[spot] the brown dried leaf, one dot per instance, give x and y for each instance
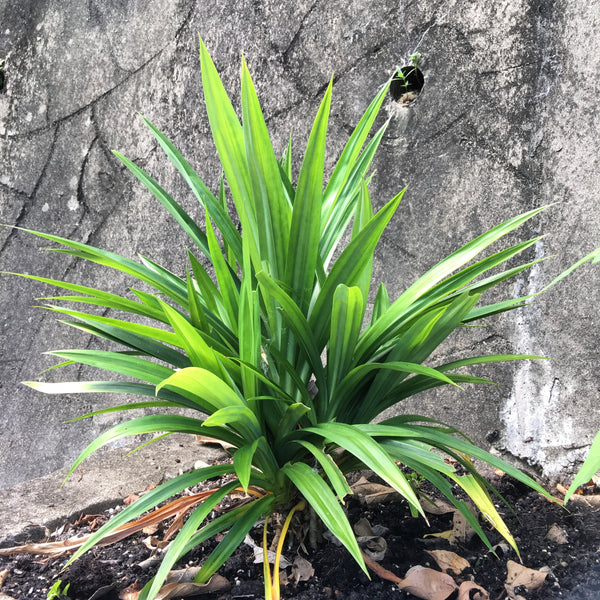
(434, 506)
(3, 576)
(373, 545)
(420, 582)
(208, 441)
(302, 570)
(130, 499)
(519, 575)
(151, 529)
(217, 583)
(462, 532)
(428, 584)
(591, 501)
(259, 555)
(446, 535)
(362, 527)
(160, 514)
(153, 543)
(131, 592)
(469, 590)
(371, 492)
(449, 561)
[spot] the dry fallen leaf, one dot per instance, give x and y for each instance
(302, 570)
(120, 533)
(557, 534)
(372, 544)
(435, 506)
(3, 576)
(208, 441)
(371, 492)
(153, 543)
(469, 590)
(462, 532)
(519, 575)
(428, 584)
(151, 529)
(449, 561)
(258, 554)
(217, 583)
(130, 499)
(446, 535)
(131, 592)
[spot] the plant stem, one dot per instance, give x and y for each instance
(276, 590)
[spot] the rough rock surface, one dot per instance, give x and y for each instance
(507, 121)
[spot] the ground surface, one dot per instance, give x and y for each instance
(574, 564)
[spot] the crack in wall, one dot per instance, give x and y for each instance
(94, 101)
(286, 53)
(30, 198)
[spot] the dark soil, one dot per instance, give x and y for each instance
(575, 565)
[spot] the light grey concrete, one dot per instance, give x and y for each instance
(34, 508)
(507, 121)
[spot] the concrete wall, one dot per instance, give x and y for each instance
(507, 121)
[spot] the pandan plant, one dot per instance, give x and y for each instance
(272, 345)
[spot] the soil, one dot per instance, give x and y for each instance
(574, 564)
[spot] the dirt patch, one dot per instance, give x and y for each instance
(571, 555)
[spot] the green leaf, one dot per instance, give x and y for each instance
(242, 416)
(197, 316)
(356, 378)
(227, 285)
(242, 462)
(363, 213)
(96, 297)
(325, 504)
(212, 391)
(381, 304)
(349, 267)
(270, 202)
(352, 192)
(165, 282)
(249, 329)
(117, 363)
(589, 468)
(300, 327)
(139, 426)
(242, 525)
(360, 444)
(445, 441)
(216, 210)
(113, 387)
(146, 339)
(228, 136)
(482, 500)
(331, 470)
(184, 220)
(351, 151)
(346, 321)
(188, 338)
(306, 217)
(187, 531)
(385, 327)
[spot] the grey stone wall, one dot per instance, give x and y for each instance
(507, 121)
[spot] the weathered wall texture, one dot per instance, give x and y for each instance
(508, 120)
